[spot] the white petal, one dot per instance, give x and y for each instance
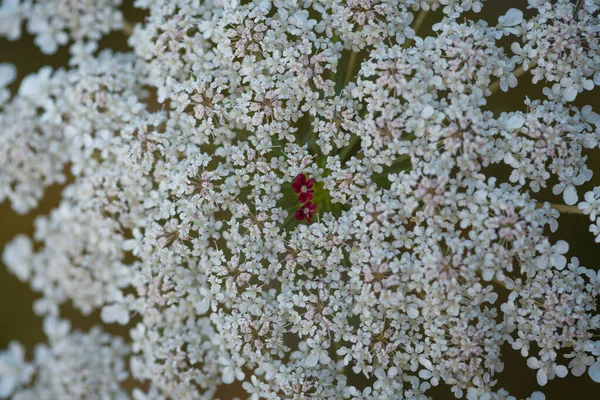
(129, 244)
(228, 376)
(17, 255)
(426, 363)
(480, 196)
(560, 371)
(312, 359)
(578, 369)
(587, 84)
(7, 386)
(115, 313)
(590, 116)
(425, 374)
(427, 111)
(558, 188)
(512, 17)
(538, 396)
(570, 195)
(53, 327)
(8, 73)
(264, 6)
(202, 306)
(324, 358)
(412, 311)
(488, 274)
(559, 261)
(561, 247)
(594, 372)
(541, 376)
(491, 297)
(240, 375)
(515, 122)
(533, 363)
(570, 93)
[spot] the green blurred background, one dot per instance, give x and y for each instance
(17, 321)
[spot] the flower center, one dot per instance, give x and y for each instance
(306, 210)
(304, 189)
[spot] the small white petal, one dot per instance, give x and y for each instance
(558, 188)
(426, 363)
(488, 274)
(202, 306)
(512, 17)
(312, 359)
(561, 247)
(491, 297)
(533, 363)
(559, 261)
(412, 311)
(541, 376)
(570, 93)
(228, 376)
(515, 122)
(480, 196)
(115, 313)
(8, 73)
(240, 375)
(324, 358)
(570, 195)
(587, 84)
(538, 396)
(427, 111)
(560, 371)
(594, 372)
(17, 256)
(53, 327)
(425, 374)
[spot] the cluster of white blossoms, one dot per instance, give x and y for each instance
(409, 251)
(54, 23)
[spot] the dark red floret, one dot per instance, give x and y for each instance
(303, 187)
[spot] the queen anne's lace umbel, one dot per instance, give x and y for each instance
(312, 203)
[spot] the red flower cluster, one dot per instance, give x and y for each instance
(303, 187)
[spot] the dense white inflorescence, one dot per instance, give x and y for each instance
(301, 197)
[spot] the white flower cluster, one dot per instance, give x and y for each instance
(591, 207)
(54, 23)
(562, 48)
(73, 365)
(8, 73)
(397, 261)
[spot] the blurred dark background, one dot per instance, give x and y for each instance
(17, 321)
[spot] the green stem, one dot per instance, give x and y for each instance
(350, 69)
(419, 21)
(345, 154)
(309, 137)
(577, 8)
(562, 208)
(416, 27)
(127, 28)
